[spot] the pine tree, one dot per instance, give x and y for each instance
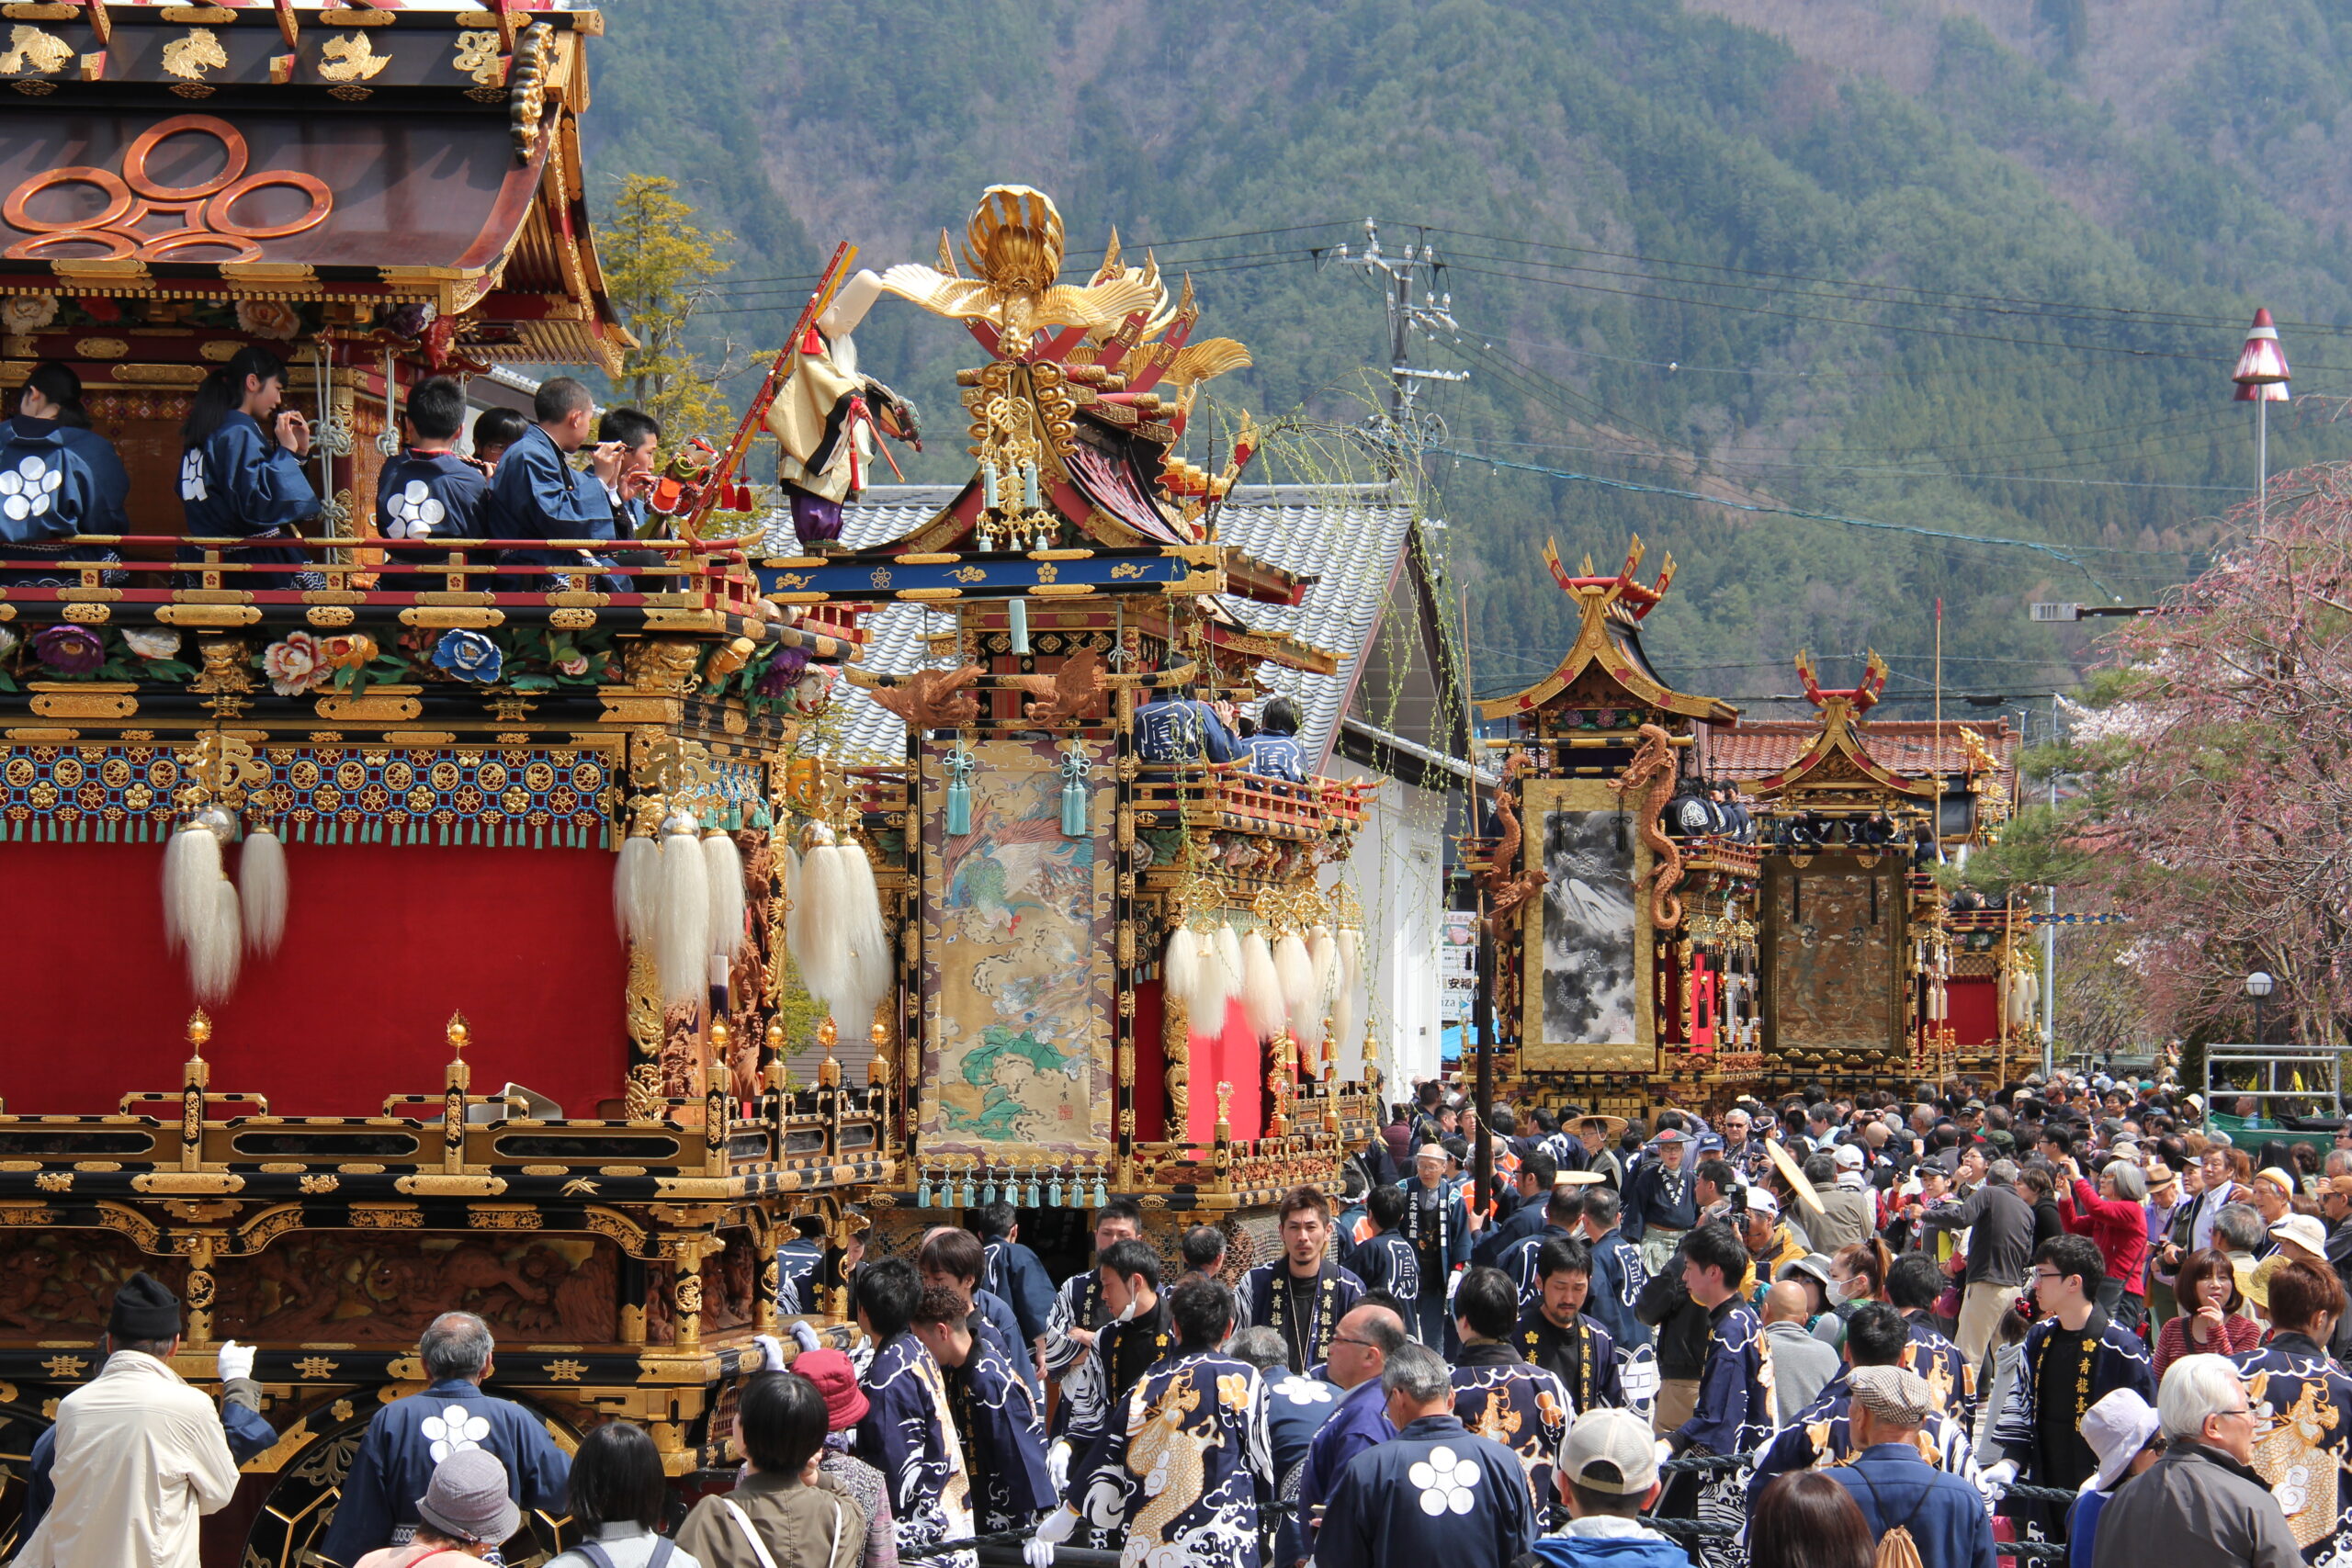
(659, 267)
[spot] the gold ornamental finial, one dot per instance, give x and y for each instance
(459, 1035)
(829, 1071)
(1225, 1102)
(877, 1034)
(196, 1070)
(775, 1036)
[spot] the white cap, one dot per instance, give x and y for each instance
(1850, 1157)
(1760, 1202)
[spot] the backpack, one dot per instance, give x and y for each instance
(1895, 1548)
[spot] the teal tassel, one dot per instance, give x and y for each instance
(922, 1192)
(1102, 1193)
(971, 1199)
(988, 1193)
(1054, 1192)
(1076, 769)
(958, 765)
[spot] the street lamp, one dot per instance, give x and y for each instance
(2261, 376)
(2259, 986)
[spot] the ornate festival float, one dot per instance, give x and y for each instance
(1619, 897)
(317, 1011)
(1877, 973)
(1683, 906)
(1124, 967)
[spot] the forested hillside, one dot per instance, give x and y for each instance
(1959, 268)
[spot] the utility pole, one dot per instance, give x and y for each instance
(2050, 933)
(1402, 433)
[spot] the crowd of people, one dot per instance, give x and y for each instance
(241, 478)
(2071, 1321)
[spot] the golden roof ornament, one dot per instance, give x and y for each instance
(1015, 243)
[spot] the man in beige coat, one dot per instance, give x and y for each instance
(139, 1455)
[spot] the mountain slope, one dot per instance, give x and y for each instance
(1941, 188)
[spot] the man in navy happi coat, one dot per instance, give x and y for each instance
(408, 1436)
(1899, 1490)
(1302, 1295)
(1367, 1337)
(1187, 1474)
(997, 1423)
(1498, 1393)
(1436, 1492)
(1733, 1410)
(426, 490)
(909, 1433)
(1437, 1222)
(1556, 1335)
(1386, 1261)
(1014, 1273)
(1823, 1433)
(1563, 1212)
(2074, 1356)
(1617, 1281)
(538, 494)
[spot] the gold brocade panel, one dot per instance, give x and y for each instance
(1587, 1005)
(1831, 939)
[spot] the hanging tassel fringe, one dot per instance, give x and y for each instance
(637, 888)
(870, 962)
(822, 951)
(1295, 973)
(263, 890)
(1221, 969)
(1347, 997)
(682, 927)
(724, 862)
(1323, 953)
(191, 865)
(1179, 972)
(200, 915)
(794, 894)
(1262, 987)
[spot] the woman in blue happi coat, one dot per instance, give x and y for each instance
(241, 472)
(58, 478)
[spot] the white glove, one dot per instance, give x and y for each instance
(1057, 1465)
(1996, 1478)
(1665, 1450)
(1038, 1549)
(236, 1360)
(771, 1352)
(805, 1337)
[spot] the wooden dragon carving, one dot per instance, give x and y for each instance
(1652, 764)
(1507, 888)
(1070, 691)
(933, 699)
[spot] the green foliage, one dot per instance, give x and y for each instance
(1734, 168)
(659, 262)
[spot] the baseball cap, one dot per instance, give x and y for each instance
(1848, 1156)
(2117, 1429)
(2276, 1178)
(1611, 1450)
(1762, 1203)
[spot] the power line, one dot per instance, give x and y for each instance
(1850, 321)
(2127, 311)
(2036, 546)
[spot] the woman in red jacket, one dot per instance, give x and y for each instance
(2214, 1325)
(2116, 1218)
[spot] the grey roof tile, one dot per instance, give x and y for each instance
(1351, 537)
